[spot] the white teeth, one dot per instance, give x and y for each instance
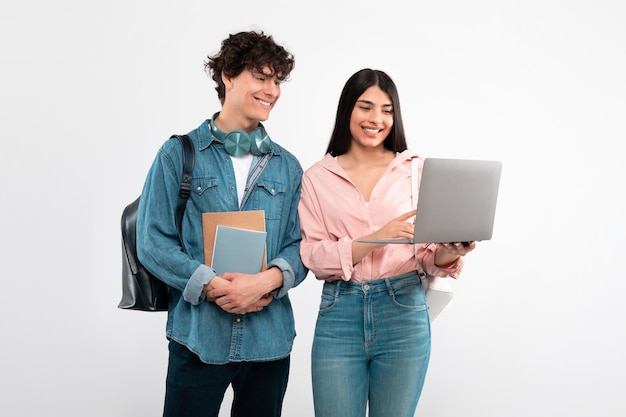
(370, 130)
(265, 103)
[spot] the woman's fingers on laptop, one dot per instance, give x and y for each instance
(406, 216)
(460, 248)
(397, 228)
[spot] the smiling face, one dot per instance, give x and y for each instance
(250, 97)
(371, 119)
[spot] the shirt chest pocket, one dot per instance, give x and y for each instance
(202, 185)
(205, 194)
(269, 196)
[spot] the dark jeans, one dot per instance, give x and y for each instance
(196, 389)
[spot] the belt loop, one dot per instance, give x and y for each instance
(389, 286)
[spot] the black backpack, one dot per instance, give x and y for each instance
(140, 289)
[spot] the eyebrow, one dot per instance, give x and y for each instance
(271, 74)
(267, 74)
(371, 103)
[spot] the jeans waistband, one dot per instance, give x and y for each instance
(378, 285)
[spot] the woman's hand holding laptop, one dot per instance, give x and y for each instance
(449, 252)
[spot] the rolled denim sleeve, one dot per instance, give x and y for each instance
(289, 277)
(193, 292)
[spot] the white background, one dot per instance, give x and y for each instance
(90, 90)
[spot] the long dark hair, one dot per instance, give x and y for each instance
(360, 81)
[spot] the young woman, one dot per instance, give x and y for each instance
(372, 338)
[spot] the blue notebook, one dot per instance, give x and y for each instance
(238, 250)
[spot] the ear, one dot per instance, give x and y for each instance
(228, 81)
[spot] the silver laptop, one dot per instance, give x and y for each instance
(456, 202)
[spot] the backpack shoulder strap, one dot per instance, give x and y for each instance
(185, 184)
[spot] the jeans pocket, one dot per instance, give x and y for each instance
(328, 301)
(409, 296)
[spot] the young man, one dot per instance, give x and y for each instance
(234, 329)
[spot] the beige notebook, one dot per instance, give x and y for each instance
(251, 219)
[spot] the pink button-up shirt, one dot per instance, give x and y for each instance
(333, 213)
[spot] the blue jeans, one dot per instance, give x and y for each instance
(371, 348)
(196, 389)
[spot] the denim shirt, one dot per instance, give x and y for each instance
(216, 336)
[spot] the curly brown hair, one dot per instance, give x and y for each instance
(248, 51)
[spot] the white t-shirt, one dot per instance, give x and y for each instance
(241, 165)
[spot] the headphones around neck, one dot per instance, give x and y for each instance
(239, 142)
